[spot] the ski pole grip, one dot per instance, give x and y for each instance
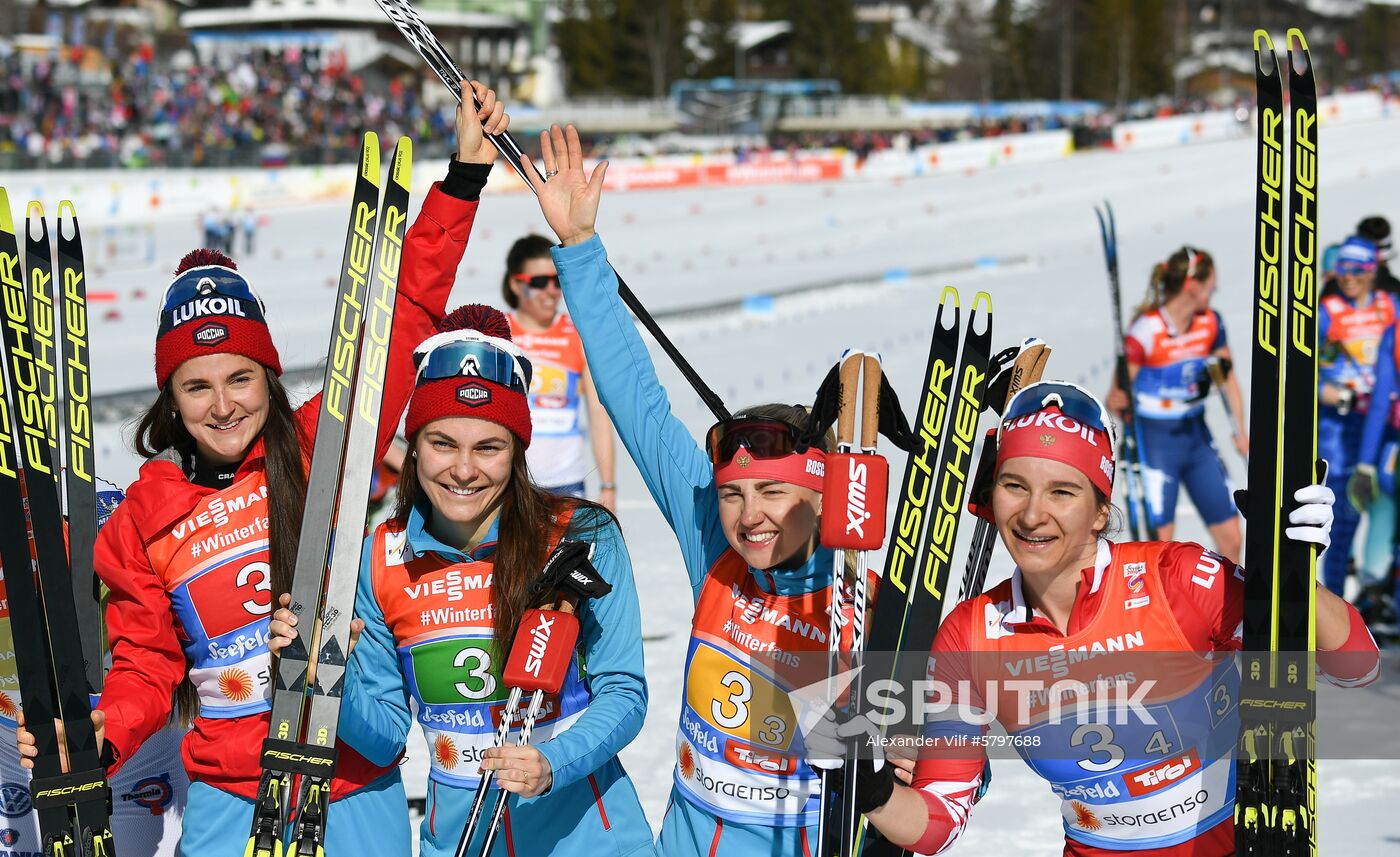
(853, 500)
(870, 403)
(539, 658)
(846, 415)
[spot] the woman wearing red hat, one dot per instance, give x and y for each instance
(1078, 609)
(443, 585)
(206, 537)
(746, 510)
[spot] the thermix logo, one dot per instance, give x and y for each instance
(211, 334)
(473, 394)
(539, 643)
(856, 514)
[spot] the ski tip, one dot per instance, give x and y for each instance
(949, 297)
(34, 209)
(983, 302)
(67, 209)
(1295, 33)
(369, 157)
(7, 219)
(1263, 41)
(403, 162)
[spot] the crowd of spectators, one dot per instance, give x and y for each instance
(77, 108)
(267, 107)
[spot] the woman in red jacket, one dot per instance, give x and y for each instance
(206, 539)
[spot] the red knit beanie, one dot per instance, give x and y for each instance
(210, 308)
(471, 368)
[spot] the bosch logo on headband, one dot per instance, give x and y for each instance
(473, 393)
(1057, 421)
(211, 334)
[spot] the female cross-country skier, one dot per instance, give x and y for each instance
(1169, 345)
(562, 385)
(746, 510)
(443, 584)
(1078, 609)
(1350, 325)
(206, 537)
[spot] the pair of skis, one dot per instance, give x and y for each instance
(929, 511)
(310, 672)
(539, 662)
(1130, 445)
(46, 395)
(1275, 787)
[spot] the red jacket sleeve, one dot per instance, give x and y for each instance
(147, 660)
(432, 251)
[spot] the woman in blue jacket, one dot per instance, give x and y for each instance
(746, 510)
(443, 585)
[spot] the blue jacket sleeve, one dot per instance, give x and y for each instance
(676, 470)
(1373, 433)
(610, 645)
(374, 714)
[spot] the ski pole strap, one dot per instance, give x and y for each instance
(569, 568)
(295, 758)
(826, 405)
(69, 789)
(539, 658)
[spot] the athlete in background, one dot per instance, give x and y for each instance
(562, 383)
(1175, 335)
(1350, 325)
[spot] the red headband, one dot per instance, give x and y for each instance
(1051, 434)
(803, 469)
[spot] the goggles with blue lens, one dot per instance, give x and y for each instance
(474, 358)
(208, 282)
(1073, 401)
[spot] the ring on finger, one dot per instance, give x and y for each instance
(549, 174)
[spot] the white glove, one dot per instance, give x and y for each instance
(1312, 519)
(827, 738)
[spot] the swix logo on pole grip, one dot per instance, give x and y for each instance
(539, 658)
(853, 501)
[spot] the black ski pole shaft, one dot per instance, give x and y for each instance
(479, 802)
(499, 810)
(406, 19)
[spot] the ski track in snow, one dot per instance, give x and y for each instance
(680, 249)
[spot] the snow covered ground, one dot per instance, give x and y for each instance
(1024, 234)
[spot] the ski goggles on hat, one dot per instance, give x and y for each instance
(468, 358)
(1061, 422)
(538, 282)
(763, 448)
(211, 281)
(1073, 401)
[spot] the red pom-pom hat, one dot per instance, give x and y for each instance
(472, 371)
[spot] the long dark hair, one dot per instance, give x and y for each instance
(522, 251)
(527, 516)
(1169, 277)
(286, 453)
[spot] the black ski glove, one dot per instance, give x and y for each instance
(830, 745)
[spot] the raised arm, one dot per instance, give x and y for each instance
(676, 470)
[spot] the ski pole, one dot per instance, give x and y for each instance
(408, 22)
(539, 662)
(853, 499)
(1219, 371)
